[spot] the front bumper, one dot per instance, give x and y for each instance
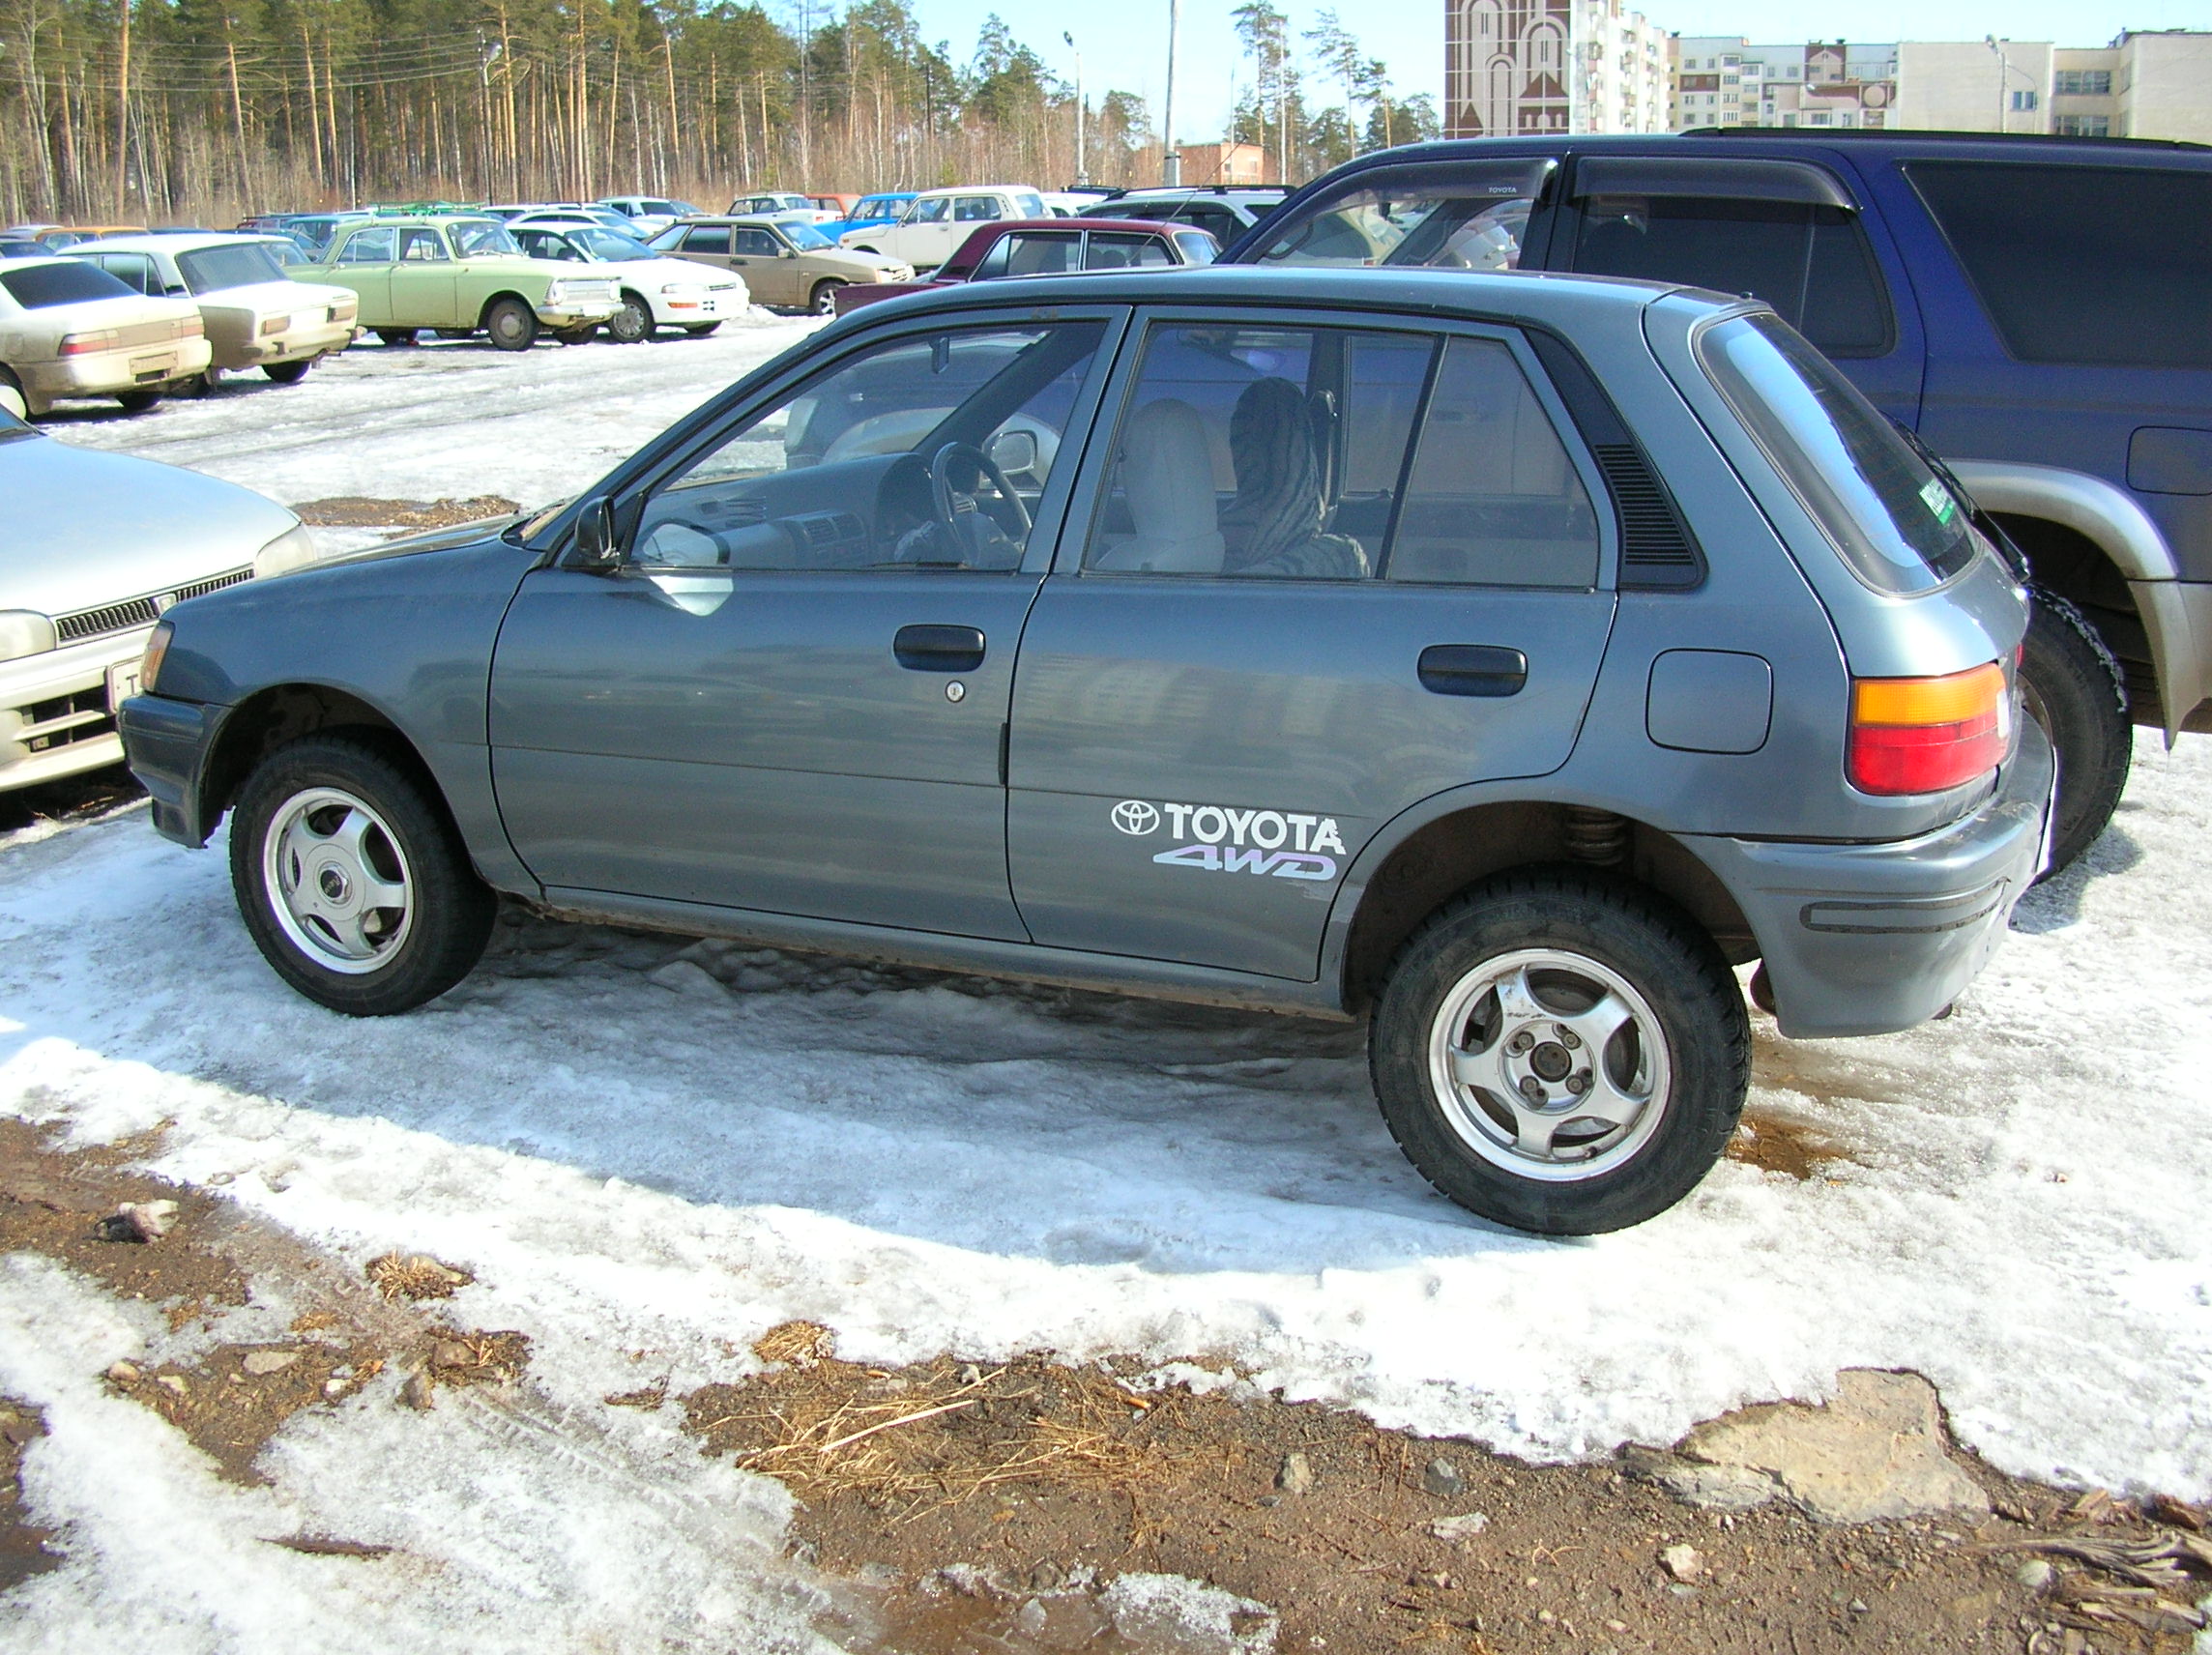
(166, 744)
(1870, 939)
(55, 717)
(565, 315)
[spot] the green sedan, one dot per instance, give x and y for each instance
(459, 277)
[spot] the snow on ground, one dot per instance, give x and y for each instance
(633, 1158)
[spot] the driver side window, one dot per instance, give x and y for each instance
(929, 450)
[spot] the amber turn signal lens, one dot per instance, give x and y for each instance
(150, 664)
(1924, 734)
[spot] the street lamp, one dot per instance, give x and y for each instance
(1171, 157)
(1082, 176)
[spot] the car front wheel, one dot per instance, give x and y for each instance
(2071, 685)
(1561, 1052)
(353, 883)
(511, 324)
(824, 300)
(632, 323)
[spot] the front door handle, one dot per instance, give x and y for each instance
(939, 649)
(1473, 669)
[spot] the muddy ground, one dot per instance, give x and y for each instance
(960, 1508)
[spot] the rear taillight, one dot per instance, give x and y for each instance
(86, 344)
(1924, 734)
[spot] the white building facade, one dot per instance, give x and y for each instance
(2145, 84)
(1729, 81)
(1514, 66)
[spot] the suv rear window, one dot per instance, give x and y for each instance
(72, 284)
(1896, 524)
(2105, 266)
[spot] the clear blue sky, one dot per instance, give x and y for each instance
(1124, 44)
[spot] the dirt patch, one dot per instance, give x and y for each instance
(230, 1398)
(362, 511)
(23, 1549)
(980, 1508)
(72, 798)
(1777, 1143)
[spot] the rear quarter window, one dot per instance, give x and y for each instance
(2097, 265)
(1897, 527)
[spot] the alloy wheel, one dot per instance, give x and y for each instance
(338, 882)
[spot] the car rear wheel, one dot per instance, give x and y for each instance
(11, 398)
(2071, 685)
(1561, 1052)
(823, 300)
(396, 336)
(286, 372)
(353, 883)
(137, 401)
(700, 329)
(632, 323)
(511, 324)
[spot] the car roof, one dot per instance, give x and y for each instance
(1072, 226)
(981, 190)
(1543, 299)
(173, 242)
(1719, 140)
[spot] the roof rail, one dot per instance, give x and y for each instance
(1935, 133)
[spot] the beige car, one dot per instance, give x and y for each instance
(784, 263)
(68, 328)
(255, 315)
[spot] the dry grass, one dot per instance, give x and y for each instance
(416, 1276)
(933, 1434)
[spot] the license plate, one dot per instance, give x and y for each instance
(122, 683)
(141, 366)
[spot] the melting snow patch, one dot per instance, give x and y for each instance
(1173, 1613)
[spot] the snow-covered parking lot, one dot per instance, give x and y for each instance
(648, 1152)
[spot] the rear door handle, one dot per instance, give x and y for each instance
(939, 649)
(1473, 669)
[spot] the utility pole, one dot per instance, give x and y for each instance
(1082, 174)
(1171, 157)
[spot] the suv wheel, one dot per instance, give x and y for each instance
(352, 883)
(1561, 1052)
(2071, 685)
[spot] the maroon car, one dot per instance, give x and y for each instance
(1050, 246)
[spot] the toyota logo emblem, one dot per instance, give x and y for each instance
(1134, 816)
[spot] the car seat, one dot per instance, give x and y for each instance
(1167, 479)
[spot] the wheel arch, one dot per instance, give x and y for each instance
(2092, 543)
(281, 713)
(484, 310)
(1434, 851)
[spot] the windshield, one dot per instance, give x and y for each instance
(1897, 525)
(1467, 216)
(607, 244)
(668, 240)
(805, 237)
(474, 238)
(206, 270)
(37, 286)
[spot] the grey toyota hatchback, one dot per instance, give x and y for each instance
(1501, 660)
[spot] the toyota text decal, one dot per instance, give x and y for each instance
(1222, 839)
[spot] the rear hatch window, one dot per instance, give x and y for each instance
(1896, 524)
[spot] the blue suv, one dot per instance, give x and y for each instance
(2039, 310)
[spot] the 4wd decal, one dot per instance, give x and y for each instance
(1222, 839)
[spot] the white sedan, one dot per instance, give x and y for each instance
(97, 547)
(255, 315)
(68, 329)
(655, 291)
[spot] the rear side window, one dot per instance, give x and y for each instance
(133, 269)
(1811, 262)
(2102, 266)
(1896, 524)
(707, 239)
(1112, 249)
(42, 284)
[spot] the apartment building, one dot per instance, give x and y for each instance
(1729, 81)
(1553, 66)
(2145, 84)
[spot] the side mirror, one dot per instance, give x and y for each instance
(597, 551)
(786, 252)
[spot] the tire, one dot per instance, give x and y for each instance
(286, 372)
(452, 333)
(396, 336)
(137, 401)
(823, 300)
(700, 329)
(11, 398)
(633, 323)
(1541, 957)
(322, 822)
(511, 324)
(2072, 686)
(576, 335)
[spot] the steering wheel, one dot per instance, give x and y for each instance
(945, 498)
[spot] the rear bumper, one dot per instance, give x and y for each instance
(104, 373)
(1870, 939)
(166, 744)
